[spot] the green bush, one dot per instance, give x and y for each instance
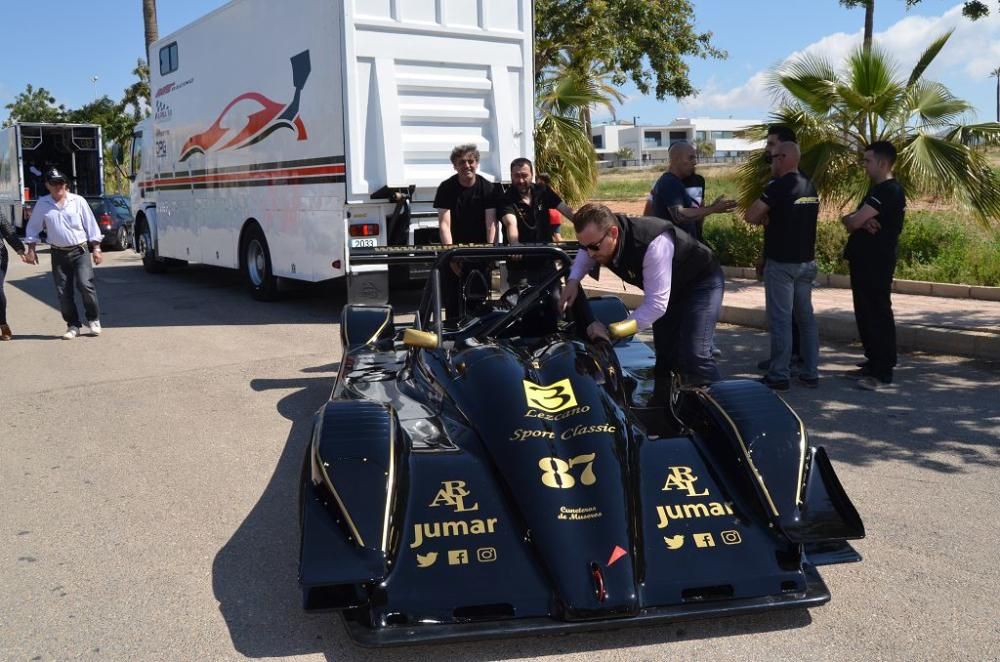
(931, 248)
(736, 243)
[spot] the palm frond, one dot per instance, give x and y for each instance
(927, 57)
(871, 73)
(986, 134)
(810, 80)
(564, 151)
(934, 104)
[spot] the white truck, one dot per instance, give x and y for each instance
(285, 133)
(28, 149)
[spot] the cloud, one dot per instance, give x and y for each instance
(972, 52)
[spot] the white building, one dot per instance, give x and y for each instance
(657, 138)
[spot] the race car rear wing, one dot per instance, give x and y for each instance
(431, 253)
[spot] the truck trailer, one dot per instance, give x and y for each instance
(28, 149)
(284, 134)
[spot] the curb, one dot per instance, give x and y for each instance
(899, 286)
(910, 337)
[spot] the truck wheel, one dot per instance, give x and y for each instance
(256, 263)
(144, 247)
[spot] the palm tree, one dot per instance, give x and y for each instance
(149, 22)
(869, 6)
(836, 114)
(996, 74)
(563, 148)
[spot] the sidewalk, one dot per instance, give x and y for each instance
(960, 327)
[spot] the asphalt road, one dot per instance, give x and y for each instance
(147, 491)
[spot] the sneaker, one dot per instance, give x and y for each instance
(860, 373)
(71, 332)
(5, 333)
(809, 382)
(780, 385)
(872, 383)
(95, 327)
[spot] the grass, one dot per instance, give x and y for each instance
(628, 185)
(939, 243)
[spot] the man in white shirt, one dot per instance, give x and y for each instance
(71, 228)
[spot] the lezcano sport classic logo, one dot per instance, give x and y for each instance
(552, 402)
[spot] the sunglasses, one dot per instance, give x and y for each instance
(596, 246)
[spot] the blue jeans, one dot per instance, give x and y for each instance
(788, 292)
(73, 270)
(683, 337)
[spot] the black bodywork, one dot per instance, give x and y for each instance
(511, 480)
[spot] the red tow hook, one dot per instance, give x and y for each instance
(598, 576)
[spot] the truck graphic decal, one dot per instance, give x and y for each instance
(324, 170)
(260, 124)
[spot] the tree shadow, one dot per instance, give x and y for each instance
(941, 413)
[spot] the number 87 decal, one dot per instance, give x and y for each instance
(555, 471)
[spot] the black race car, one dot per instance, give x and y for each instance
(502, 475)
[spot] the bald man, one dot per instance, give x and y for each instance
(670, 198)
(788, 210)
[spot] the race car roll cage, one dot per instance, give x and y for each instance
(428, 330)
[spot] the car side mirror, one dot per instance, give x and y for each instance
(424, 339)
(619, 330)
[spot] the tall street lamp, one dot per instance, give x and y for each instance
(996, 74)
(93, 79)
(638, 131)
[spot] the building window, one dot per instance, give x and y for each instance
(699, 136)
(168, 59)
(652, 139)
(598, 142)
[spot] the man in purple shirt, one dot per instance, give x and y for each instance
(681, 280)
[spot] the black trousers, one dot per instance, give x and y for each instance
(871, 285)
(684, 335)
(73, 270)
(3, 275)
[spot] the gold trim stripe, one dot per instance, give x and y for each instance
(333, 490)
(746, 452)
(389, 482)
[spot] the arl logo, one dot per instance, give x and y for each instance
(552, 398)
(258, 115)
(683, 478)
(453, 493)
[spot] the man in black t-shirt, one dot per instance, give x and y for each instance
(788, 209)
(524, 209)
(466, 215)
(871, 252)
(524, 214)
(672, 196)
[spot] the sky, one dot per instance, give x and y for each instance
(758, 35)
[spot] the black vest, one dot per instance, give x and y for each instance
(692, 259)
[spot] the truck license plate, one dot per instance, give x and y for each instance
(364, 243)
